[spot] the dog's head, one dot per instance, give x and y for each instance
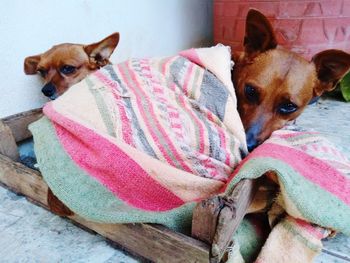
(66, 64)
(274, 85)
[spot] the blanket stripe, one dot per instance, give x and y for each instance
(292, 241)
(155, 113)
(92, 200)
(102, 106)
(148, 138)
(313, 186)
(141, 140)
(153, 197)
(331, 180)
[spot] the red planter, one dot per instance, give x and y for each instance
(306, 27)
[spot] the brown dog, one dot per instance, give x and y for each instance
(274, 85)
(66, 64)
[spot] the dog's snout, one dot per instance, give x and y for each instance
(49, 90)
(252, 142)
(252, 136)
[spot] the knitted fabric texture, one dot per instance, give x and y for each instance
(144, 140)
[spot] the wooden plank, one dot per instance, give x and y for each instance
(205, 219)
(235, 207)
(216, 219)
(23, 180)
(8, 146)
(155, 243)
(18, 123)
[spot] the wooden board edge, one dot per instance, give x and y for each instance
(205, 217)
(18, 123)
(8, 146)
(234, 209)
(156, 243)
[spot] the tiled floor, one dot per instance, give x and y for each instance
(31, 234)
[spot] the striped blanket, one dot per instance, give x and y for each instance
(145, 140)
(148, 135)
(314, 190)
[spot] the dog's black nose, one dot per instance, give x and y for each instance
(252, 136)
(49, 90)
(251, 145)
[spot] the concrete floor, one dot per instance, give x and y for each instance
(332, 118)
(31, 234)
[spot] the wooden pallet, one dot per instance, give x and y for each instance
(214, 220)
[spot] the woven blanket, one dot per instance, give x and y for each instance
(145, 140)
(290, 240)
(141, 141)
(313, 178)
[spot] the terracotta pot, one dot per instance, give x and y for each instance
(305, 27)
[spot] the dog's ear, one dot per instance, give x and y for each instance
(31, 64)
(331, 66)
(100, 52)
(259, 35)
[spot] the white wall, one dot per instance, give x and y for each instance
(147, 28)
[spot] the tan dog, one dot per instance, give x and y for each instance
(274, 85)
(66, 64)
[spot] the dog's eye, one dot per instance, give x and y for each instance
(287, 108)
(42, 72)
(251, 93)
(67, 69)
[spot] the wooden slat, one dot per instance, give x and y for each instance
(23, 180)
(216, 219)
(205, 219)
(8, 145)
(155, 243)
(18, 123)
(230, 217)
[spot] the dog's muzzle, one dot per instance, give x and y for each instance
(252, 135)
(50, 91)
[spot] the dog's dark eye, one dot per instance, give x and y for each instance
(67, 69)
(287, 108)
(251, 93)
(42, 72)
